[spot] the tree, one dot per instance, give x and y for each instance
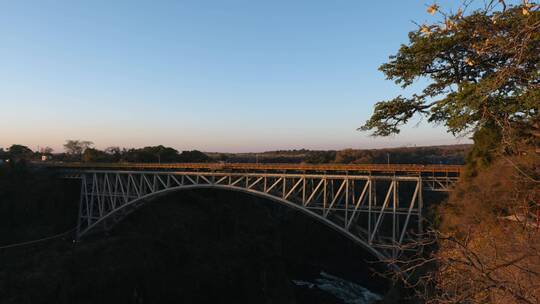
(320, 157)
(152, 154)
(163, 154)
(483, 70)
(114, 153)
(77, 147)
(20, 152)
(347, 156)
(46, 151)
(194, 156)
(94, 155)
(222, 157)
(113, 150)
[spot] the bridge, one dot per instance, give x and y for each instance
(377, 206)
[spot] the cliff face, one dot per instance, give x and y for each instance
(199, 246)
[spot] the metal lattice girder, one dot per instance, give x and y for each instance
(350, 204)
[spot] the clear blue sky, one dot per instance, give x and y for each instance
(210, 75)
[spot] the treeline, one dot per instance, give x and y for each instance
(152, 154)
(407, 155)
(76, 150)
(454, 154)
(84, 151)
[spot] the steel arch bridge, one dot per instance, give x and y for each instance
(379, 211)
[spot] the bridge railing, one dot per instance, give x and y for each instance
(365, 168)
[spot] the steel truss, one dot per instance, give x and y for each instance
(382, 213)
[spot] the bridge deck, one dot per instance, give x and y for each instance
(364, 168)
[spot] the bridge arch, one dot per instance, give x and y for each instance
(139, 202)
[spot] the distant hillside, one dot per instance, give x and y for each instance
(448, 154)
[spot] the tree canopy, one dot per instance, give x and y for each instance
(19, 152)
(483, 68)
(77, 147)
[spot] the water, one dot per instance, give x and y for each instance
(346, 291)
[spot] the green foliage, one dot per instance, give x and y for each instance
(19, 152)
(94, 155)
(486, 142)
(194, 156)
(482, 68)
(411, 155)
(75, 148)
(114, 154)
(160, 153)
(151, 154)
(320, 157)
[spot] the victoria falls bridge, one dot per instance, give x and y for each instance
(380, 207)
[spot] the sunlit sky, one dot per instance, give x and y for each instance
(220, 75)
